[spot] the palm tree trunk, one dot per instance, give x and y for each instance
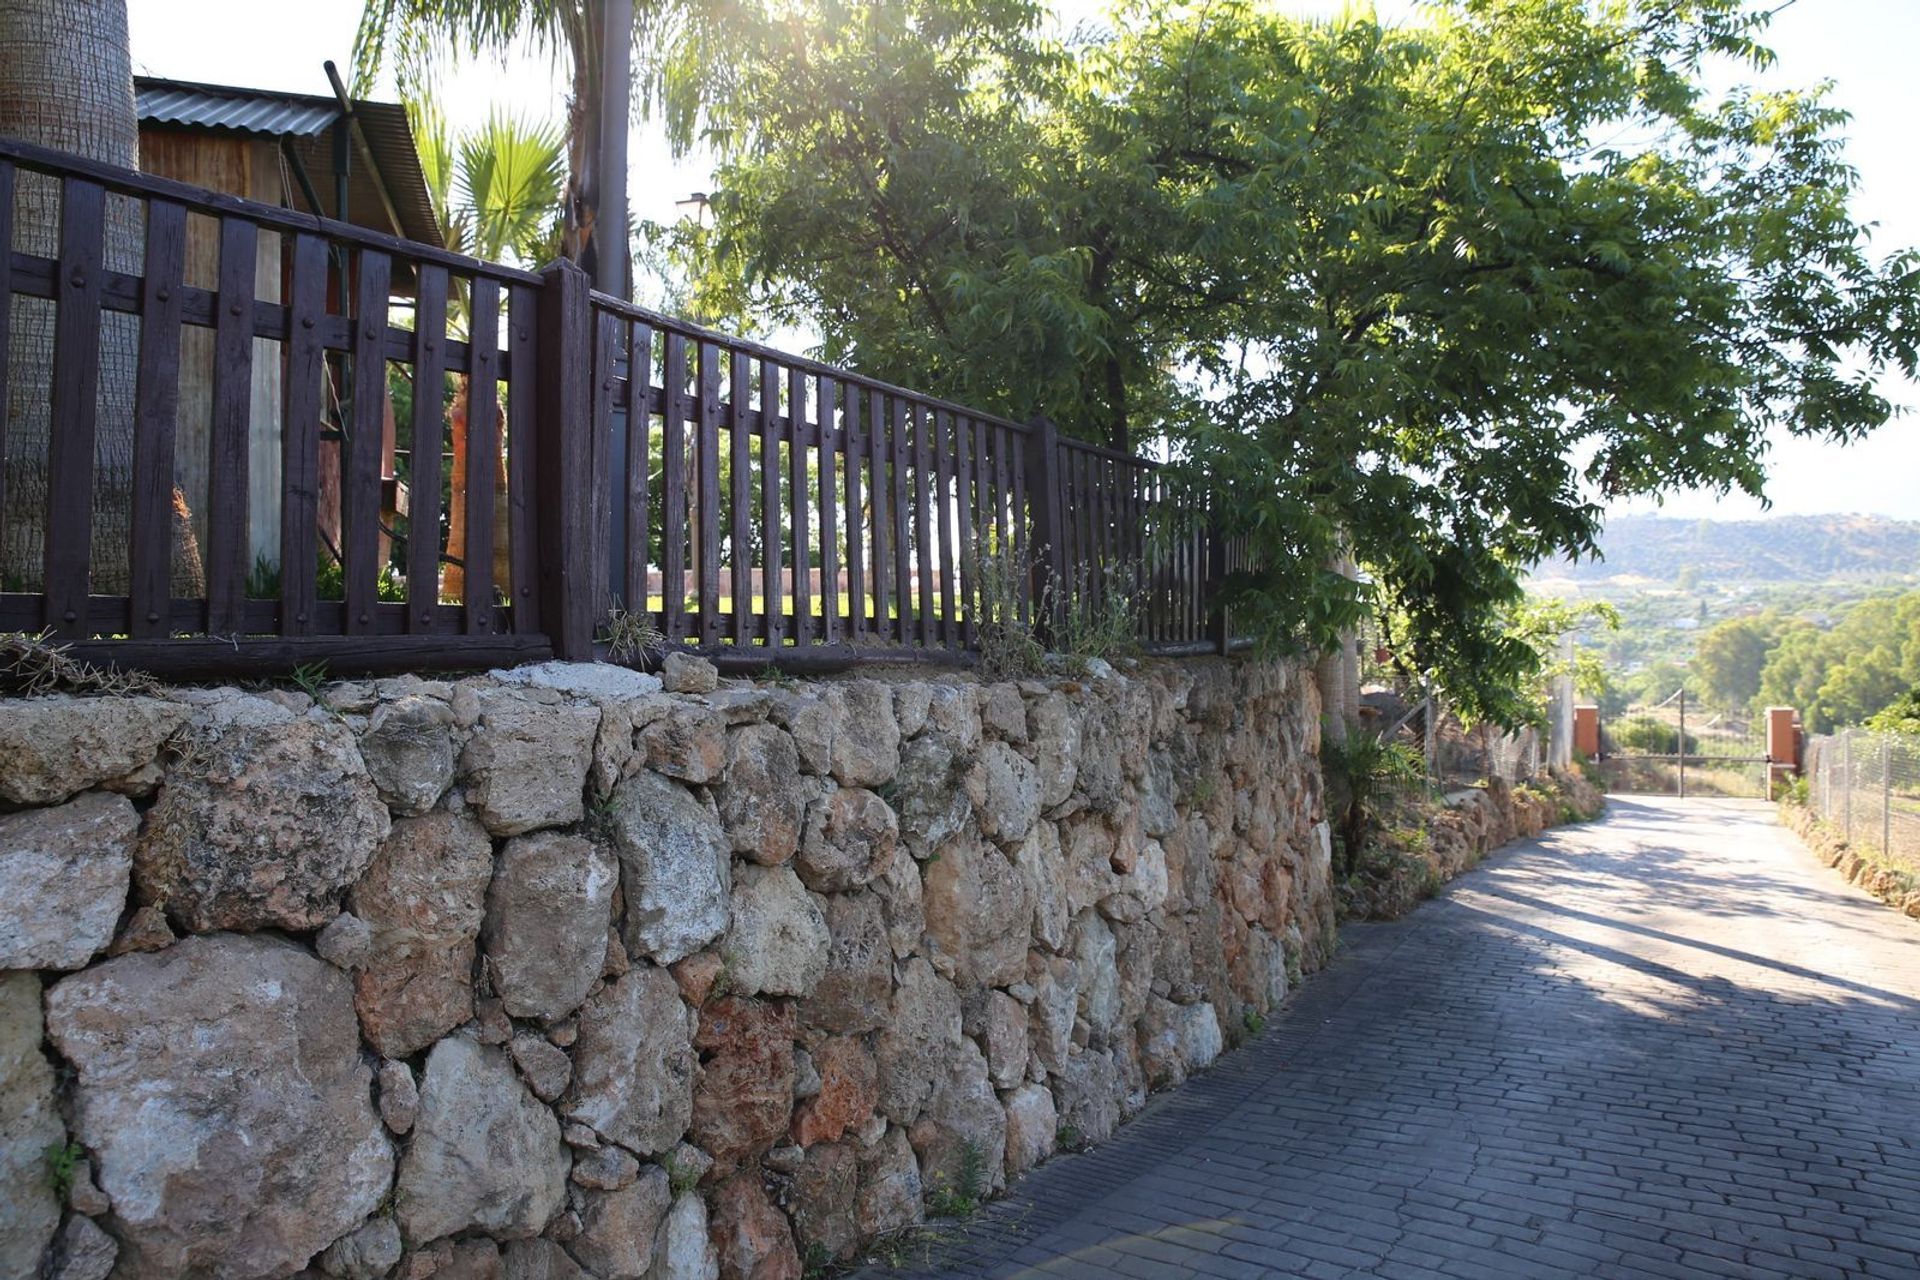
(66, 81)
(600, 38)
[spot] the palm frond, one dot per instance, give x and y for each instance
(512, 172)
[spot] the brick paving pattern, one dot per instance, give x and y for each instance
(1665, 1044)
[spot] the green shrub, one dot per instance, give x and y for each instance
(1647, 736)
(1361, 773)
(1902, 715)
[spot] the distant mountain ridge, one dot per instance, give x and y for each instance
(1784, 549)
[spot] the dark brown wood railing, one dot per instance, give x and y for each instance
(240, 438)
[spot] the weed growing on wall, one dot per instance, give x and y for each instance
(63, 1159)
(1009, 649)
(1092, 616)
(631, 636)
(968, 1189)
(32, 665)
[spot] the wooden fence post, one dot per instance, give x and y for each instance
(570, 487)
(1219, 628)
(1043, 509)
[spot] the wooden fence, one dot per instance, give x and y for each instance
(240, 438)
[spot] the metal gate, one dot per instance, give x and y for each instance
(1677, 747)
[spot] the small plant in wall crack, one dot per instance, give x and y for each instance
(778, 679)
(310, 678)
(681, 1180)
(818, 1264)
(969, 1186)
(63, 1159)
(602, 816)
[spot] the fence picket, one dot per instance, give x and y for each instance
(522, 453)
(673, 513)
(943, 526)
(802, 435)
(225, 555)
(638, 481)
(897, 499)
(6, 295)
(707, 468)
(772, 628)
(922, 521)
(75, 393)
(483, 454)
(851, 451)
(963, 508)
(360, 513)
(739, 498)
(299, 428)
(156, 411)
(423, 456)
(880, 546)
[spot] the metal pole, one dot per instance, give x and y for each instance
(1886, 796)
(1432, 742)
(1683, 742)
(1826, 784)
(1846, 766)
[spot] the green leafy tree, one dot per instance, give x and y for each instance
(1730, 658)
(1429, 294)
(1795, 668)
(1659, 681)
(1845, 674)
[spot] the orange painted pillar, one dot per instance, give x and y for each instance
(1586, 732)
(1783, 740)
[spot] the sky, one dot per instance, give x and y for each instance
(1864, 47)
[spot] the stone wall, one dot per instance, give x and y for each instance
(560, 972)
(1454, 835)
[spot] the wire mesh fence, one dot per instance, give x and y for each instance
(1867, 787)
(1461, 757)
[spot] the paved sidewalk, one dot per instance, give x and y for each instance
(1669, 1043)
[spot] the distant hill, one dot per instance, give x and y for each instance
(1787, 549)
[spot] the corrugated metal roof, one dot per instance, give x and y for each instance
(305, 122)
(242, 110)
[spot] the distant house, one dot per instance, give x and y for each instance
(299, 151)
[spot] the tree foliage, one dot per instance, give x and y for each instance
(1428, 294)
(675, 48)
(1731, 656)
(1847, 673)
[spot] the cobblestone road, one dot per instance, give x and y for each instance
(1666, 1044)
